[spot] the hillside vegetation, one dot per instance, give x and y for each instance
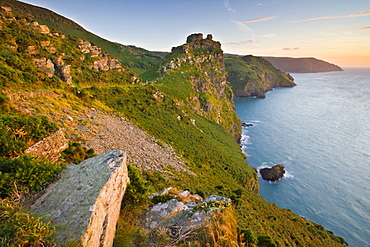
(187, 104)
(252, 76)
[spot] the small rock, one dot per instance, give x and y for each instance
(274, 173)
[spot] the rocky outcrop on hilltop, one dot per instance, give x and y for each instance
(84, 204)
(105, 62)
(274, 173)
(302, 65)
(203, 61)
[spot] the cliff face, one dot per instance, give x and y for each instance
(252, 76)
(302, 65)
(202, 63)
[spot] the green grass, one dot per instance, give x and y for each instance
(20, 228)
(204, 145)
(253, 76)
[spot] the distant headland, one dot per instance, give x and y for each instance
(302, 65)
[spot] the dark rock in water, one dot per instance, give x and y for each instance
(247, 124)
(274, 173)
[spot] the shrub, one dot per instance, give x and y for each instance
(75, 153)
(247, 236)
(19, 228)
(17, 132)
(138, 189)
(266, 241)
(27, 173)
(3, 98)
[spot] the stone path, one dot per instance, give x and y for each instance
(109, 132)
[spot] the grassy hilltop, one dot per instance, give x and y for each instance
(50, 78)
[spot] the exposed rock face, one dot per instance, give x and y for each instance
(45, 64)
(183, 214)
(212, 96)
(49, 147)
(274, 173)
(40, 28)
(84, 204)
(302, 65)
(105, 62)
(196, 37)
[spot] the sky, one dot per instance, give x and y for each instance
(337, 31)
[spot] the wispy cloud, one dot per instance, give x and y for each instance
(260, 19)
(290, 49)
(242, 26)
(250, 41)
(228, 6)
(334, 17)
(362, 28)
(269, 35)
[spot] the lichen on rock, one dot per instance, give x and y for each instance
(84, 204)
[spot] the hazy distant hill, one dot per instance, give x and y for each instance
(302, 65)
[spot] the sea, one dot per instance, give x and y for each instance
(320, 131)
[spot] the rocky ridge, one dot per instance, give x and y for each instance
(56, 62)
(212, 96)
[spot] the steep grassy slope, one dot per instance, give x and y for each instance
(137, 59)
(254, 76)
(177, 109)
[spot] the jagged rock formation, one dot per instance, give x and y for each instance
(84, 204)
(105, 61)
(302, 65)
(274, 173)
(182, 215)
(212, 96)
(252, 76)
(49, 147)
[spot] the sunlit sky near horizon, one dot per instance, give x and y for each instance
(337, 31)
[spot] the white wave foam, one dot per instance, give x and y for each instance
(245, 140)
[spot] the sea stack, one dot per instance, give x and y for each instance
(274, 173)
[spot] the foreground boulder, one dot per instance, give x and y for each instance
(181, 216)
(274, 173)
(84, 204)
